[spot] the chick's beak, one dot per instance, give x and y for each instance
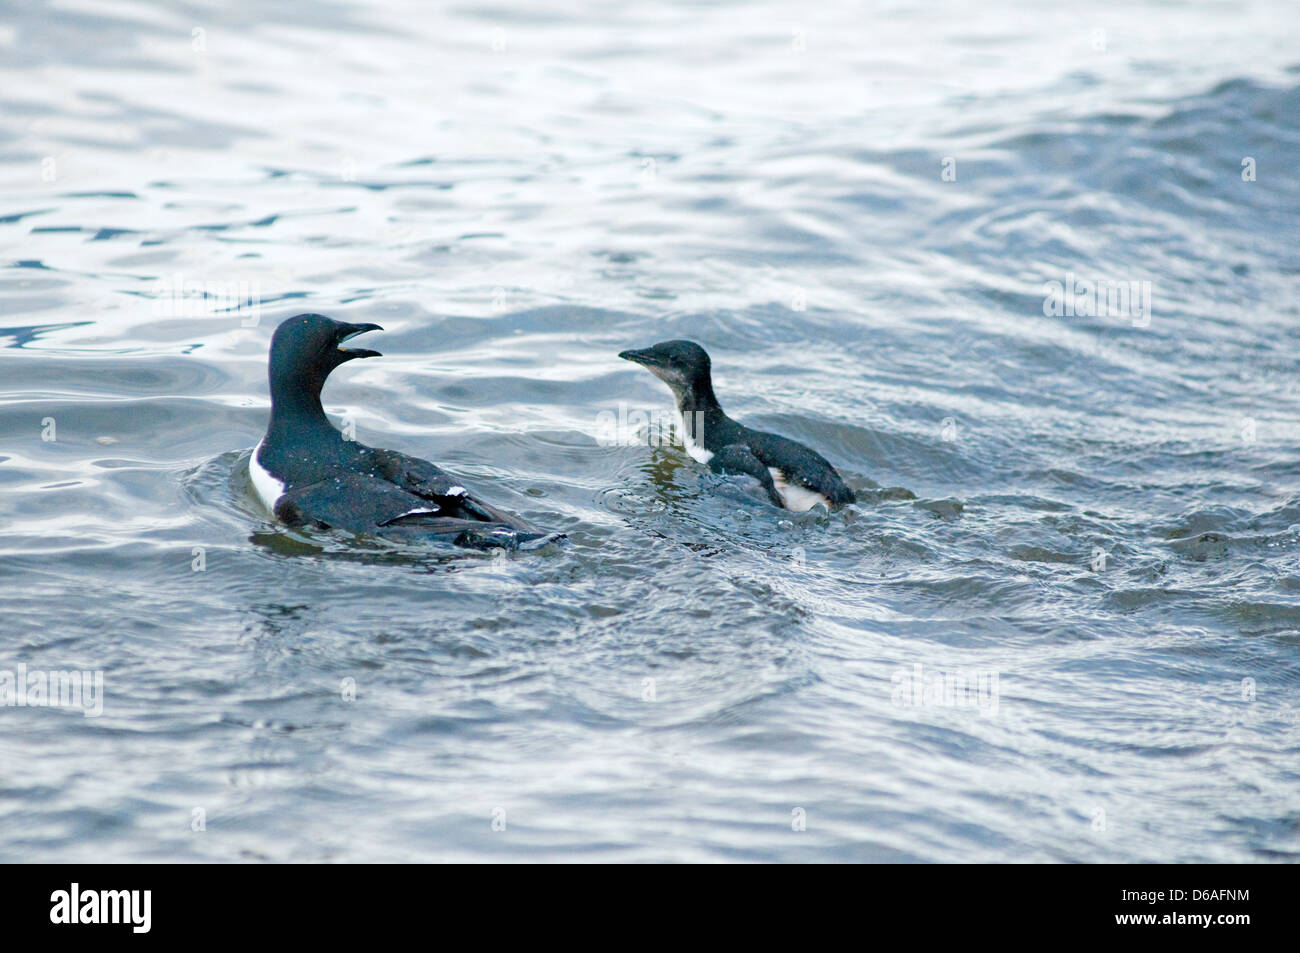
(645, 357)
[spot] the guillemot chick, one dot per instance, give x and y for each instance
(795, 477)
(308, 474)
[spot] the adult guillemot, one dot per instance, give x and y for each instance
(795, 477)
(308, 474)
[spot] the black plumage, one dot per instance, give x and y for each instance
(321, 479)
(793, 476)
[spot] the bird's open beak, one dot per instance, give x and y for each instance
(352, 330)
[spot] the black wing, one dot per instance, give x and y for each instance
(738, 458)
(430, 482)
(800, 465)
(361, 503)
(356, 502)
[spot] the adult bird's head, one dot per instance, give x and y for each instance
(682, 365)
(304, 350)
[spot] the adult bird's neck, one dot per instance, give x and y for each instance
(298, 410)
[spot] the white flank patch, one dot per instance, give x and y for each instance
(268, 488)
(419, 511)
(696, 451)
(795, 497)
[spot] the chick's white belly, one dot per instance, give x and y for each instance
(794, 496)
(697, 452)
